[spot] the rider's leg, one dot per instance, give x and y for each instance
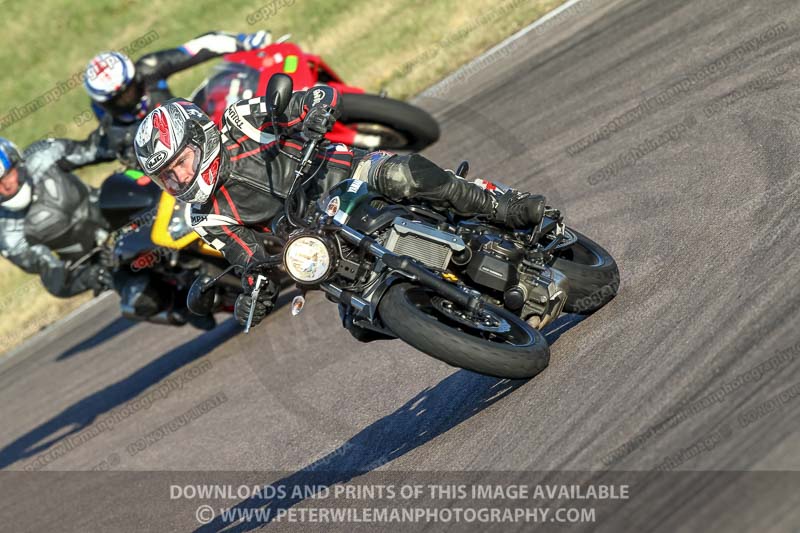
(414, 176)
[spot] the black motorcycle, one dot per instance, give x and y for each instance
(464, 291)
(144, 237)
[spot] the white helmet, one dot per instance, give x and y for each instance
(108, 79)
(179, 132)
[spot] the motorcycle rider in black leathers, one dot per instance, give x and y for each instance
(238, 181)
(38, 198)
(123, 92)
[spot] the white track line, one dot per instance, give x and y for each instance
(493, 50)
(50, 328)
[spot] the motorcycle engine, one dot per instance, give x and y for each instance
(493, 262)
(528, 289)
(543, 294)
(497, 262)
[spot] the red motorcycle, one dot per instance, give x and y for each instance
(368, 121)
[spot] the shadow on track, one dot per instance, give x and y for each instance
(561, 325)
(120, 325)
(82, 413)
(430, 413)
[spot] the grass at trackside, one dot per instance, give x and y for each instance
(375, 45)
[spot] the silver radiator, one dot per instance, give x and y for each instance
(428, 245)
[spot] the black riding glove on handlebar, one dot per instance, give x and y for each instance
(318, 122)
(262, 306)
(99, 278)
(63, 283)
(119, 140)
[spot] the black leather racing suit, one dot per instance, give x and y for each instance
(53, 212)
(255, 178)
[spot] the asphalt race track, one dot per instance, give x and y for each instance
(695, 193)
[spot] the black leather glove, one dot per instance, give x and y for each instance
(262, 307)
(98, 278)
(319, 121)
(242, 310)
(119, 139)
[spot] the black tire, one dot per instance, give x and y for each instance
(592, 273)
(417, 127)
(401, 314)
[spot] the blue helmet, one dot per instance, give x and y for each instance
(10, 158)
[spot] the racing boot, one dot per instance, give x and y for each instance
(414, 176)
(513, 209)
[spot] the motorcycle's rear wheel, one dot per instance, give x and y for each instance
(401, 126)
(501, 345)
(592, 272)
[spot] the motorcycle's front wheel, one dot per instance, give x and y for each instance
(394, 125)
(496, 343)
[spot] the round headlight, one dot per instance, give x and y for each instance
(307, 259)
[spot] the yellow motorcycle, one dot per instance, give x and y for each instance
(156, 255)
